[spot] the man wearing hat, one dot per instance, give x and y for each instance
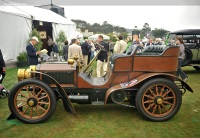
(31, 51)
(157, 42)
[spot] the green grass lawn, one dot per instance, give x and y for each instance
(107, 120)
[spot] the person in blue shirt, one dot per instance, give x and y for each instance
(55, 48)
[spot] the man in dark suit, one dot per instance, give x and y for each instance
(65, 51)
(85, 50)
(31, 51)
(150, 43)
(102, 58)
(2, 67)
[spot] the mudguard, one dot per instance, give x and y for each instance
(141, 79)
(66, 101)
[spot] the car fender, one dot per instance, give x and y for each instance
(140, 79)
(66, 101)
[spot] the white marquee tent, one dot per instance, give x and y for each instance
(79, 35)
(16, 25)
(94, 37)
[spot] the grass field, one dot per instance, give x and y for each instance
(107, 121)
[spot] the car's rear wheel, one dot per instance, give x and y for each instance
(32, 101)
(197, 67)
(158, 99)
(188, 57)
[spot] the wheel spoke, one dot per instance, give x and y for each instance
(23, 95)
(21, 100)
(152, 92)
(31, 112)
(159, 108)
(37, 111)
(168, 98)
(43, 103)
(42, 108)
(39, 93)
(29, 93)
(161, 91)
(150, 106)
(42, 97)
(21, 105)
(148, 96)
(154, 109)
(149, 101)
(157, 90)
(25, 110)
(166, 93)
(33, 92)
(166, 102)
(164, 107)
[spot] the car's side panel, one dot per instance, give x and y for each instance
(166, 62)
(123, 64)
(196, 54)
(155, 64)
(142, 78)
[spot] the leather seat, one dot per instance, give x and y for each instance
(113, 57)
(153, 50)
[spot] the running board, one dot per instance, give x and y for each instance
(97, 102)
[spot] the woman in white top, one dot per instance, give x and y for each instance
(92, 50)
(181, 57)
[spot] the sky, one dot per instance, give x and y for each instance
(171, 17)
(167, 17)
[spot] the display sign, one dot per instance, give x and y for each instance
(43, 34)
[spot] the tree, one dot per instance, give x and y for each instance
(145, 30)
(159, 32)
(61, 38)
(124, 34)
(112, 37)
(119, 29)
(106, 27)
(81, 24)
(96, 28)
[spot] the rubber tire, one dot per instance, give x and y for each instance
(196, 67)
(150, 83)
(41, 84)
(188, 57)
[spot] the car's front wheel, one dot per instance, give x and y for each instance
(32, 101)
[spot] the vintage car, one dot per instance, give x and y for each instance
(143, 80)
(191, 38)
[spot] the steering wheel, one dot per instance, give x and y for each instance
(90, 73)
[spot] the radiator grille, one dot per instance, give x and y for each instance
(61, 77)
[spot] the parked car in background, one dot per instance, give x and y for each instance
(191, 38)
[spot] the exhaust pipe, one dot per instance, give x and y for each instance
(80, 99)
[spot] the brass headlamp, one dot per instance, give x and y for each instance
(25, 74)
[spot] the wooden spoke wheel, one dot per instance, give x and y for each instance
(32, 101)
(158, 100)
